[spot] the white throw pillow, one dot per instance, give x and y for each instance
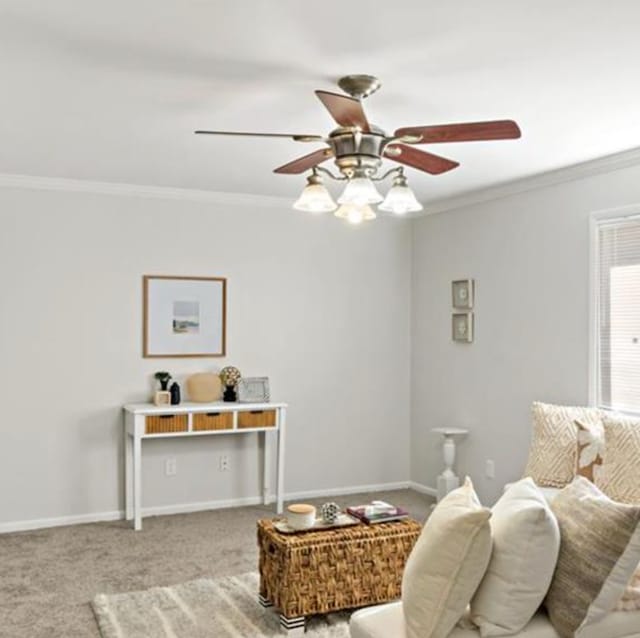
(446, 565)
(526, 542)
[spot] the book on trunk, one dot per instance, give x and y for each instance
(377, 512)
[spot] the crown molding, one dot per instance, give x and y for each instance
(574, 172)
(33, 182)
(598, 166)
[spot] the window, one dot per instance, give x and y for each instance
(618, 314)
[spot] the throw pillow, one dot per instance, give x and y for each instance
(599, 552)
(553, 451)
(620, 476)
(526, 542)
(446, 565)
(590, 450)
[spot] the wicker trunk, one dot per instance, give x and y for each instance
(320, 572)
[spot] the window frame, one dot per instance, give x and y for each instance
(598, 218)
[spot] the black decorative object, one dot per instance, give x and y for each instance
(175, 393)
(229, 394)
(163, 378)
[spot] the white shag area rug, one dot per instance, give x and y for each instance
(206, 608)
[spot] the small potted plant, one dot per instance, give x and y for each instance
(230, 377)
(163, 378)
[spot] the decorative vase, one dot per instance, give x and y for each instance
(229, 395)
(175, 393)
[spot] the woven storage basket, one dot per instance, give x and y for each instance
(320, 572)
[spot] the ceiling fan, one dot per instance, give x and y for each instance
(358, 147)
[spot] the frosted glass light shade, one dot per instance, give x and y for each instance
(400, 200)
(355, 214)
(360, 190)
(315, 198)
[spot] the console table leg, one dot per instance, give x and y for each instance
(266, 470)
(280, 486)
(293, 626)
(137, 483)
(264, 601)
(128, 475)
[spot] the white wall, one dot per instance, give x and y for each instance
(529, 256)
(321, 308)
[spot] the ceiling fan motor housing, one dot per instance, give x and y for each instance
(356, 152)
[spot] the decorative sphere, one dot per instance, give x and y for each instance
(230, 375)
(330, 512)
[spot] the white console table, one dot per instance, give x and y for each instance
(144, 421)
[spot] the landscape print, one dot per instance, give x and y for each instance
(186, 317)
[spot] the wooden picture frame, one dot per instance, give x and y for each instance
(184, 316)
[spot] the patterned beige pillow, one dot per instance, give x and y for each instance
(620, 476)
(553, 452)
(630, 600)
(590, 450)
(599, 552)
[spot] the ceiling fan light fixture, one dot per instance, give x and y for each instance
(355, 213)
(400, 199)
(360, 191)
(315, 198)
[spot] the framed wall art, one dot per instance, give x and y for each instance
(462, 293)
(184, 316)
(462, 327)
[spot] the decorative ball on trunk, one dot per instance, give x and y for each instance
(230, 376)
(329, 512)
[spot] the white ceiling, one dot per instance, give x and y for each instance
(112, 91)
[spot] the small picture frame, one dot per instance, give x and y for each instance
(462, 294)
(253, 390)
(462, 327)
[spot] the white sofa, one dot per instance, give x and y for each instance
(387, 621)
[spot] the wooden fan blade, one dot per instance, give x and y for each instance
(466, 132)
(346, 111)
(298, 137)
(306, 162)
(421, 160)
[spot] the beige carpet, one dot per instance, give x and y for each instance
(48, 577)
(206, 608)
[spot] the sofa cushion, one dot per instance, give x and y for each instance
(387, 621)
(620, 476)
(599, 551)
(446, 565)
(553, 452)
(526, 542)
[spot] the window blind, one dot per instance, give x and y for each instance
(619, 315)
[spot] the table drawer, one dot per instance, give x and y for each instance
(212, 421)
(163, 423)
(257, 419)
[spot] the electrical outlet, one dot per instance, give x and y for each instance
(490, 469)
(224, 464)
(171, 466)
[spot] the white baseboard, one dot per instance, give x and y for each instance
(423, 489)
(60, 521)
(184, 508)
(203, 506)
(343, 491)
